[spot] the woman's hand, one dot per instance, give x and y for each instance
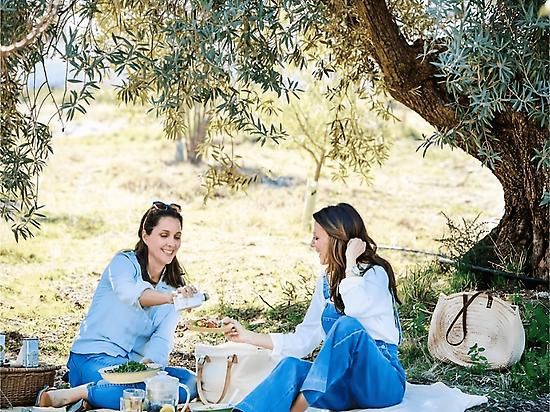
(354, 249)
(237, 333)
(187, 291)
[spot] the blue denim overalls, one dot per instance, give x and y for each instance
(351, 371)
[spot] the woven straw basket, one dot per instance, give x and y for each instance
(19, 386)
(462, 320)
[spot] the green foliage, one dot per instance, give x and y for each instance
(419, 291)
(462, 279)
(171, 56)
(535, 316)
(533, 371)
(130, 366)
(421, 284)
(513, 261)
(227, 54)
(479, 361)
(461, 237)
(228, 174)
(279, 317)
(462, 244)
(25, 142)
(493, 58)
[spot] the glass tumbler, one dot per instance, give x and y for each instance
(132, 400)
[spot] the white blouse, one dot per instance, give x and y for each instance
(366, 298)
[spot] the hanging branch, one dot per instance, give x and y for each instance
(41, 26)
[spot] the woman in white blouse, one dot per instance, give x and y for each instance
(353, 312)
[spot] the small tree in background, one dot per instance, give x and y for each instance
(316, 122)
(192, 138)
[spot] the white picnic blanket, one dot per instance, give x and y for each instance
(418, 398)
(428, 398)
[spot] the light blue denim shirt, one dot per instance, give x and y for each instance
(117, 325)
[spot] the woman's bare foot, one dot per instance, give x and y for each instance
(62, 397)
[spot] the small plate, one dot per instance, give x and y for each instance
(215, 407)
(129, 377)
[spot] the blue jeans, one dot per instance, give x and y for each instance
(102, 394)
(351, 371)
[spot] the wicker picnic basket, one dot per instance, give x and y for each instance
(19, 386)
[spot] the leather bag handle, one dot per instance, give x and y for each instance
(231, 359)
(463, 312)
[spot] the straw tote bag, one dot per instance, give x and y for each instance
(230, 371)
(464, 319)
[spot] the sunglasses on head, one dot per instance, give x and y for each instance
(157, 204)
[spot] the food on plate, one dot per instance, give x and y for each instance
(130, 366)
(129, 372)
(207, 323)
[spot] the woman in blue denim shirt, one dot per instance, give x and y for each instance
(132, 316)
(353, 311)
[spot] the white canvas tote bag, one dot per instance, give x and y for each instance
(230, 371)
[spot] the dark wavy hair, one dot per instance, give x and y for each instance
(173, 272)
(342, 223)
